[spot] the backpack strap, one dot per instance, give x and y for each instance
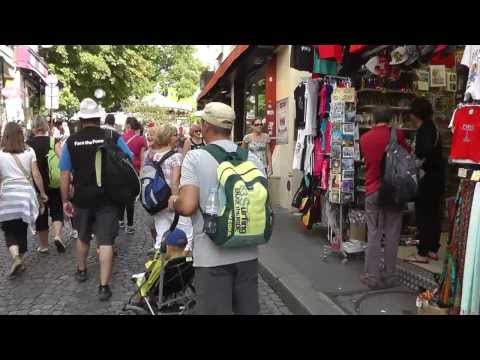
(221, 155)
(98, 167)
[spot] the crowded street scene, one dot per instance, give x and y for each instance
(240, 180)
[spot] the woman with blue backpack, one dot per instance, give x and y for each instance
(160, 177)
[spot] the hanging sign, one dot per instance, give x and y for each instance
(282, 121)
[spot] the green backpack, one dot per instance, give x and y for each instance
(244, 217)
(53, 166)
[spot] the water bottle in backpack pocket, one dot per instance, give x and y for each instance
(155, 190)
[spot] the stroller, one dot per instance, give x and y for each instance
(166, 288)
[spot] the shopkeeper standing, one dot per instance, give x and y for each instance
(428, 204)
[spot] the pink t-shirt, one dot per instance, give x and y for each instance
(135, 143)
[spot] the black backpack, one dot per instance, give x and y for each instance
(399, 175)
(116, 176)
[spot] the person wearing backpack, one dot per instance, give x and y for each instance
(137, 145)
(162, 161)
(47, 151)
(383, 221)
(225, 257)
(92, 155)
(428, 204)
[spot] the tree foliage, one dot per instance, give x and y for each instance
(123, 71)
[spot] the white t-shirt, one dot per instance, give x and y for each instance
(311, 95)
(9, 170)
(297, 155)
(471, 58)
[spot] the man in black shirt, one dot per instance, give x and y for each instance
(92, 212)
(40, 143)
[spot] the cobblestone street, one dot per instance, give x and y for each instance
(48, 285)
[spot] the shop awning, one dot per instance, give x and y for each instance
(25, 58)
(226, 64)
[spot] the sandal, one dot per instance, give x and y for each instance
(416, 259)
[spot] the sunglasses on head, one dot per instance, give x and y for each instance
(198, 131)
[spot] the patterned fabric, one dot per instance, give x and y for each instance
(168, 165)
(259, 148)
(452, 276)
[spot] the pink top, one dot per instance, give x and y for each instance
(135, 143)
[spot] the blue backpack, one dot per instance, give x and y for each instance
(155, 190)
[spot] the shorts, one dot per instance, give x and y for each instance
(101, 221)
(53, 209)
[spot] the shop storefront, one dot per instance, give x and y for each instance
(7, 71)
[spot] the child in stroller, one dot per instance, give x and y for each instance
(166, 286)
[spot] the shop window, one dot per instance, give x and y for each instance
(255, 104)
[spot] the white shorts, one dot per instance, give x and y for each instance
(163, 221)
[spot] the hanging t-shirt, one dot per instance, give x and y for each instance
(297, 154)
(324, 66)
(301, 57)
(466, 134)
(471, 59)
(331, 52)
(311, 96)
(355, 49)
(309, 155)
(299, 95)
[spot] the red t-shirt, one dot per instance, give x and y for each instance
(135, 143)
(331, 52)
(354, 49)
(372, 146)
(466, 134)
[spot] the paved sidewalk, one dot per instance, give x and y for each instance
(48, 285)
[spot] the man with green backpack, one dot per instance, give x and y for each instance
(225, 190)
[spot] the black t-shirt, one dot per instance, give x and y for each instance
(41, 145)
(82, 147)
(299, 95)
(301, 57)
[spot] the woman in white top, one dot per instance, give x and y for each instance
(19, 206)
(166, 140)
(258, 143)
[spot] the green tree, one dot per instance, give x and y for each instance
(123, 71)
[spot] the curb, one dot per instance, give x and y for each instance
(293, 288)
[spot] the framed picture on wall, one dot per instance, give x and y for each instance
(438, 76)
(451, 81)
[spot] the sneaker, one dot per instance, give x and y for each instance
(43, 250)
(16, 266)
(60, 245)
(121, 224)
(104, 293)
(130, 229)
(81, 275)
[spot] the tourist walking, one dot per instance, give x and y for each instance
(428, 204)
(42, 144)
(19, 204)
(164, 144)
(382, 222)
(137, 146)
(92, 211)
(258, 142)
(226, 279)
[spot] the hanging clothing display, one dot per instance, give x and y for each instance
(301, 57)
(331, 52)
(450, 290)
(465, 126)
(471, 274)
(471, 59)
(299, 147)
(324, 66)
(311, 100)
(299, 95)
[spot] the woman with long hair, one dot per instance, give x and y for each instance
(195, 141)
(258, 142)
(19, 206)
(428, 204)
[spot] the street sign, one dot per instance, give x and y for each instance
(52, 91)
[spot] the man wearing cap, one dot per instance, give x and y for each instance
(91, 211)
(226, 280)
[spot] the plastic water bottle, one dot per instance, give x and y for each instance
(211, 211)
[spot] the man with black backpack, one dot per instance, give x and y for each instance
(89, 155)
(384, 218)
(224, 188)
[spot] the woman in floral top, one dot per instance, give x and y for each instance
(258, 142)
